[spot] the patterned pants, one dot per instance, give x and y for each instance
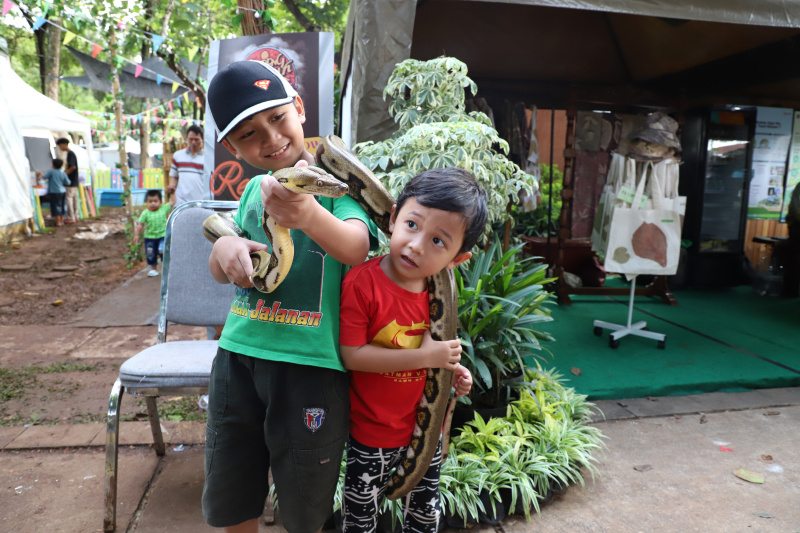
(365, 482)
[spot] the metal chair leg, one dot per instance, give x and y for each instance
(112, 456)
(155, 425)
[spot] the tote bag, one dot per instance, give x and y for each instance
(621, 173)
(644, 240)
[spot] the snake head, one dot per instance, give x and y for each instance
(311, 180)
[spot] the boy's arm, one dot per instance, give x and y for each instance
(347, 241)
(139, 229)
(430, 354)
(230, 262)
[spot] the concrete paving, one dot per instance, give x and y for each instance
(668, 469)
(668, 465)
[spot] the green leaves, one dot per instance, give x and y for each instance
(500, 303)
(426, 99)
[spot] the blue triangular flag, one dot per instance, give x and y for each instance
(157, 40)
(38, 23)
(159, 77)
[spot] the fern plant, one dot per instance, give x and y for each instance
(435, 131)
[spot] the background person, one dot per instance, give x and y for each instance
(153, 223)
(56, 190)
(70, 168)
(186, 174)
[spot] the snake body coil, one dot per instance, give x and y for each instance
(356, 180)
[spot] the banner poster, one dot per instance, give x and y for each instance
(306, 60)
(793, 176)
(770, 149)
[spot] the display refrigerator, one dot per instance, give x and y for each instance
(715, 177)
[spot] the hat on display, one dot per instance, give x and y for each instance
(660, 128)
(242, 89)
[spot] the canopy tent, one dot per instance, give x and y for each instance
(659, 53)
(23, 107)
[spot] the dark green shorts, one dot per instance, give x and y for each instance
(294, 418)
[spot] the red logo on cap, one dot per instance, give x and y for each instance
(262, 84)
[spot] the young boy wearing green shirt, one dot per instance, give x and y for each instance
(153, 223)
(278, 395)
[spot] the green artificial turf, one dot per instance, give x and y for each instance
(717, 341)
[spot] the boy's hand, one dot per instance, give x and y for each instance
(289, 209)
(136, 239)
(462, 380)
(441, 354)
(230, 260)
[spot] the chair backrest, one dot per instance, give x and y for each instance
(189, 295)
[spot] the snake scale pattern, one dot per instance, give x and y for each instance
(270, 269)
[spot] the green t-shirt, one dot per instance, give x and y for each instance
(155, 221)
(299, 321)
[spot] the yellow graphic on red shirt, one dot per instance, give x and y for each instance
(394, 335)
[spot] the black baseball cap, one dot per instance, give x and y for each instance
(242, 89)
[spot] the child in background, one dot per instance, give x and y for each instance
(387, 346)
(57, 183)
(153, 223)
(278, 392)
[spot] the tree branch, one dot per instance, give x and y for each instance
(300, 17)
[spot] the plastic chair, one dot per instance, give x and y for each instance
(189, 295)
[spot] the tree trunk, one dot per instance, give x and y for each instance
(250, 24)
(52, 60)
(123, 155)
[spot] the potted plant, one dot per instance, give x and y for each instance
(435, 131)
(501, 305)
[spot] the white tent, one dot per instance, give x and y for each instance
(23, 107)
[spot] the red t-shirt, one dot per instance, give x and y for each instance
(374, 310)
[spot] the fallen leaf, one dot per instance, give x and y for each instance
(772, 413)
(651, 398)
(622, 404)
(677, 417)
(703, 419)
(764, 515)
(58, 302)
(766, 458)
(747, 475)
(724, 449)
(30, 294)
(576, 371)
(643, 468)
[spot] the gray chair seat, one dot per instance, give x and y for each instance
(169, 365)
(189, 296)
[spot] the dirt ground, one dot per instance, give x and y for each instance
(50, 370)
(63, 268)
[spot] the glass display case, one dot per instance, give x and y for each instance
(715, 177)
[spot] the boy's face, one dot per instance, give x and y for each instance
(153, 203)
(424, 241)
(272, 139)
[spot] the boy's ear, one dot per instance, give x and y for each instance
(231, 149)
(301, 111)
(392, 218)
(460, 258)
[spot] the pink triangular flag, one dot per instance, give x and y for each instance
(96, 49)
(169, 104)
(138, 71)
(7, 5)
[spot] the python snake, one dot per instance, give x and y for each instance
(352, 177)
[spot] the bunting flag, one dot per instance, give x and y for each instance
(68, 37)
(138, 71)
(184, 122)
(38, 23)
(157, 40)
(169, 104)
(197, 99)
(96, 50)
(186, 96)
(159, 78)
(7, 5)
(174, 86)
(192, 52)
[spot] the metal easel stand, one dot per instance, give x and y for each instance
(638, 329)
